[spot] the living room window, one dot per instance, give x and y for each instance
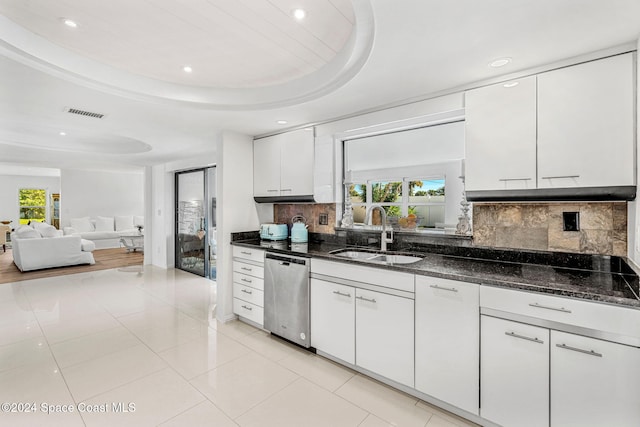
(33, 204)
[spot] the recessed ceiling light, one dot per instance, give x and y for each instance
(499, 62)
(299, 14)
(69, 22)
(282, 122)
(511, 84)
(187, 69)
(63, 133)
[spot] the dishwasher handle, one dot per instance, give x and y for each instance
(286, 260)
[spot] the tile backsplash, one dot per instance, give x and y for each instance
(539, 226)
(282, 214)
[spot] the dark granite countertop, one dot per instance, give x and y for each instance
(597, 278)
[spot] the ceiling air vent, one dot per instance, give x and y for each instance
(84, 113)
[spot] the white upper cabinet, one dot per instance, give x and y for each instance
(266, 167)
(585, 124)
(283, 165)
(560, 130)
(296, 167)
(501, 136)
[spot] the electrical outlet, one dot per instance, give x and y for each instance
(323, 219)
(571, 221)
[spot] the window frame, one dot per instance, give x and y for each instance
(21, 206)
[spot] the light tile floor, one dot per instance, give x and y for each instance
(134, 347)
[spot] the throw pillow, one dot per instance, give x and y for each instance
(48, 231)
(104, 223)
(37, 225)
(124, 223)
(26, 232)
(82, 225)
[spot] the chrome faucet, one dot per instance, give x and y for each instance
(384, 239)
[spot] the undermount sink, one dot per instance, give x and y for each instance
(376, 258)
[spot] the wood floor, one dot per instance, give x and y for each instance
(105, 259)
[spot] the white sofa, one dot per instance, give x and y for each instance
(39, 247)
(105, 232)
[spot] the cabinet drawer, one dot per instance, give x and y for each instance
(600, 317)
(248, 294)
(248, 253)
(376, 276)
(248, 311)
(250, 281)
(452, 292)
(248, 269)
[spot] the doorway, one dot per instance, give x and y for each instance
(196, 249)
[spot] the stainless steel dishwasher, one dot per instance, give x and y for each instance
(286, 297)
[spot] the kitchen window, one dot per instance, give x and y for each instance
(414, 174)
(422, 197)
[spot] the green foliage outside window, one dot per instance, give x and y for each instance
(33, 205)
(425, 199)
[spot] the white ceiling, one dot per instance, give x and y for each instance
(254, 64)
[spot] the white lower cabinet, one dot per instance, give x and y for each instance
(447, 341)
(593, 382)
(514, 373)
(333, 328)
(384, 335)
(248, 284)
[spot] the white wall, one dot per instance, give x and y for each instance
(93, 193)
(236, 208)
(161, 221)
(9, 186)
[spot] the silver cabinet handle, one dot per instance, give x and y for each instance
(286, 189)
(245, 253)
(246, 269)
(271, 191)
(247, 308)
(366, 299)
(560, 176)
(562, 309)
(245, 280)
(515, 179)
(442, 288)
(246, 291)
(522, 337)
(342, 294)
(579, 350)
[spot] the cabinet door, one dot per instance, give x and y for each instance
(384, 335)
(500, 136)
(514, 373)
(333, 319)
(297, 156)
(448, 341)
(593, 382)
(266, 167)
(586, 124)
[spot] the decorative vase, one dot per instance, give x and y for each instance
(464, 221)
(347, 216)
